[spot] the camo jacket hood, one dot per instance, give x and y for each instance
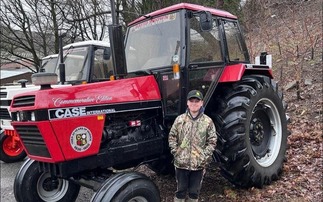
(192, 141)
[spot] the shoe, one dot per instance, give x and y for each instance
(178, 200)
(192, 200)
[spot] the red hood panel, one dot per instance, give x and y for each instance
(118, 91)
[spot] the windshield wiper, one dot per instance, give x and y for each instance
(67, 53)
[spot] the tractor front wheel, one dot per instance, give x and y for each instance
(11, 149)
(31, 185)
(127, 187)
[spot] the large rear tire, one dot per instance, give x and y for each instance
(252, 126)
(31, 185)
(127, 187)
(11, 149)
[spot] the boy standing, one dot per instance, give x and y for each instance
(192, 140)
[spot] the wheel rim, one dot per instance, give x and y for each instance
(138, 199)
(12, 147)
(265, 132)
(46, 192)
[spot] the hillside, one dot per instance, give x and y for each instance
(292, 32)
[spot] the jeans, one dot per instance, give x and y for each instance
(188, 181)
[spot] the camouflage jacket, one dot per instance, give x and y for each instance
(192, 142)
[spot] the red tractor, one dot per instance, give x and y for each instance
(81, 135)
(87, 55)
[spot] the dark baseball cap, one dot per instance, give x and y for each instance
(195, 94)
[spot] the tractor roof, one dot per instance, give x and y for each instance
(50, 56)
(88, 43)
(187, 6)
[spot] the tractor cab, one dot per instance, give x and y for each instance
(86, 62)
(187, 47)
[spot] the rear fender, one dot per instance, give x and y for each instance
(233, 73)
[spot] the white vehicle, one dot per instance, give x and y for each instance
(85, 62)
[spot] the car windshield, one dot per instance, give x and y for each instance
(153, 43)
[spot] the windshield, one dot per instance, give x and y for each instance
(74, 60)
(49, 63)
(153, 43)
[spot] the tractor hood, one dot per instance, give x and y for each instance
(119, 91)
(48, 121)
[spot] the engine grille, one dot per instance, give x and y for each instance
(3, 94)
(33, 140)
(24, 101)
(4, 114)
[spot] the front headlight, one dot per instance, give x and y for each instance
(32, 116)
(24, 116)
(18, 116)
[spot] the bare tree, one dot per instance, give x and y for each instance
(88, 18)
(26, 30)
(298, 46)
(30, 28)
(291, 44)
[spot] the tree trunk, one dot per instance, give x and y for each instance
(312, 53)
(298, 91)
(220, 4)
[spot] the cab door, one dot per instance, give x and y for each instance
(211, 51)
(205, 56)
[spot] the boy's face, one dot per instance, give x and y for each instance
(194, 104)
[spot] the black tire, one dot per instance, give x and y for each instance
(252, 126)
(11, 151)
(127, 187)
(30, 186)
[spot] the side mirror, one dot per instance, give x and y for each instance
(206, 21)
(106, 54)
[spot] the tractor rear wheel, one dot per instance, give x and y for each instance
(252, 126)
(11, 149)
(127, 187)
(31, 185)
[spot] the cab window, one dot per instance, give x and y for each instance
(234, 41)
(204, 45)
(102, 67)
